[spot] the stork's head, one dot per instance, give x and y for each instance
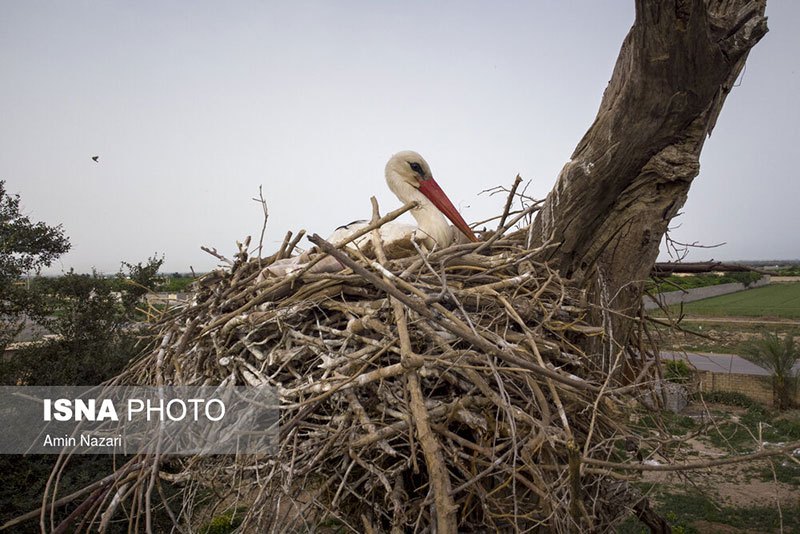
(409, 167)
(408, 174)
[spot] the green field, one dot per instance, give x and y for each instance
(775, 300)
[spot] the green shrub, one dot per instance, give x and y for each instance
(676, 370)
(682, 510)
(788, 428)
(176, 285)
(731, 398)
(225, 523)
(785, 471)
(793, 270)
(747, 278)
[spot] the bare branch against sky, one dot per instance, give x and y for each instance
(190, 106)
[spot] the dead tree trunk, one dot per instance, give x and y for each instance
(631, 172)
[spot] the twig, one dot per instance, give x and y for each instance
(263, 203)
(213, 252)
(693, 466)
(509, 201)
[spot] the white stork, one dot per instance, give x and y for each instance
(409, 177)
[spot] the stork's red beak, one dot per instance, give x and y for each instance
(432, 190)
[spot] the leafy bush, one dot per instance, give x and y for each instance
(176, 284)
(747, 278)
(677, 370)
(26, 247)
(788, 427)
(140, 279)
(93, 346)
(731, 398)
(792, 270)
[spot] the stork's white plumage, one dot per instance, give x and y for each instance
(409, 177)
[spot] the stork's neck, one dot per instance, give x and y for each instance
(433, 226)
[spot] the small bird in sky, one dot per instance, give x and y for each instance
(96, 159)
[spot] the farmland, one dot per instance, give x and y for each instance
(774, 300)
(727, 322)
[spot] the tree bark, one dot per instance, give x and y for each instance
(631, 172)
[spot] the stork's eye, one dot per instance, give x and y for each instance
(416, 167)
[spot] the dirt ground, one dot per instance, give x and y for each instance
(731, 485)
(742, 485)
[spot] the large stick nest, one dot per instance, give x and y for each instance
(446, 390)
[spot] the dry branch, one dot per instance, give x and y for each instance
(668, 268)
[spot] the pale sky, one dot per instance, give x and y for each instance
(192, 105)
